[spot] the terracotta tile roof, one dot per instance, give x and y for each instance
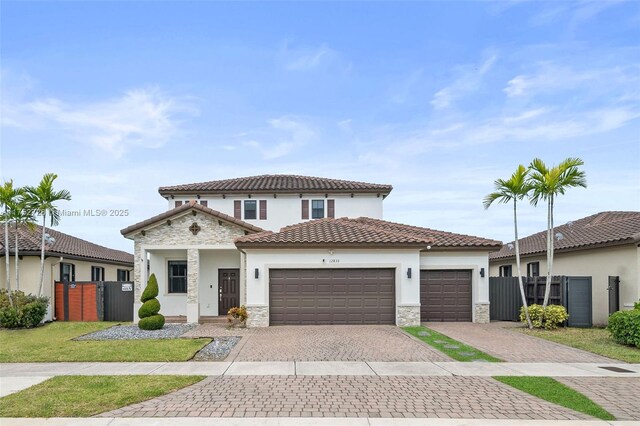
(360, 232)
(600, 229)
(64, 244)
(193, 204)
(275, 183)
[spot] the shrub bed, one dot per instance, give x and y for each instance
(548, 318)
(27, 310)
(624, 326)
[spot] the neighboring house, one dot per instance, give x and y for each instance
(305, 250)
(600, 246)
(67, 258)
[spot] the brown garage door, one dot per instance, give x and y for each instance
(445, 295)
(332, 296)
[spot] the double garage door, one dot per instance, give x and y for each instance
(332, 296)
(363, 296)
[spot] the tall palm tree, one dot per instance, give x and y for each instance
(8, 195)
(41, 200)
(22, 216)
(547, 184)
(513, 189)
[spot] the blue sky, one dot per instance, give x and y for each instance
(436, 98)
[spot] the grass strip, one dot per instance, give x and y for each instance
(595, 340)
(52, 343)
(84, 396)
(440, 342)
(558, 393)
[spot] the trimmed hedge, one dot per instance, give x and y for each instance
(149, 308)
(150, 318)
(624, 327)
(154, 322)
(27, 311)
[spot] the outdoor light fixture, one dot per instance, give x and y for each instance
(257, 273)
(408, 272)
(482, 272)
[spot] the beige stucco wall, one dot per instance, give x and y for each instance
(29, 269)
(622, 261)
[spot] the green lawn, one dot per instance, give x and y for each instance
(553, 391)
(52, 343)
(596, 340)
(443, 341)
(84, 396)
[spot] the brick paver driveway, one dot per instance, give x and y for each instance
(348, 396)
(324, 343)
(619, 396)
(498, 340)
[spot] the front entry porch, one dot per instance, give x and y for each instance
(196, 285)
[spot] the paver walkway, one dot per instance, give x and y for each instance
(619, 396)
(496, 339)
(348, 396)
(323, 343)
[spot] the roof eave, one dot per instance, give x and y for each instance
(254, 245)
(569, 249)
(168, 192)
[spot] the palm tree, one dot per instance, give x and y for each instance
(8, 195)
(548, 183)
(21, 215)
(40, 200)
(513, 189)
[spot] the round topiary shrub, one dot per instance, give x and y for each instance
(154, 322)
(150, 318)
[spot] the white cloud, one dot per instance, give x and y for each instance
(468, 81)
(283, 136)
(403, 90)
(141, 117)
(307, 59)
(553, 78)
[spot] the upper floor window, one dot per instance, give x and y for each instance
(533, 269)
(317, 209)
(204, 203)
(250, 209)
(506, 271)
(178, 203)
(124, 275)
(97, 273)
(177, 276)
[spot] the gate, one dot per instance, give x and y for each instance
(614, 294)
(578, 301)
(118, 301)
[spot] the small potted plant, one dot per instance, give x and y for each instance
(237, 316)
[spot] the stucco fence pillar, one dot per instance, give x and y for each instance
(193, 282)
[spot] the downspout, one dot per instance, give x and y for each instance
(53, 289)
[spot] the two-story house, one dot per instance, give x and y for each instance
(305, 250)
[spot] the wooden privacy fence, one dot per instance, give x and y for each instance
(94, 301)
(574, 293)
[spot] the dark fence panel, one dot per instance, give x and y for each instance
(574, 293)
(118, 301)
(504, 298)
(579, 303)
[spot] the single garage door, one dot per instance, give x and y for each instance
(445, 295)
(332, 296)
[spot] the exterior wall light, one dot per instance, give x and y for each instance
(482, 272)
(257, 272)
(408, 272)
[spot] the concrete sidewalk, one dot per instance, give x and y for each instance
(321, 368)
(299, 421)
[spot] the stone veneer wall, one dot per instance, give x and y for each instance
(408, 315)
(482, 313)
(212, 232)
(258, 316)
